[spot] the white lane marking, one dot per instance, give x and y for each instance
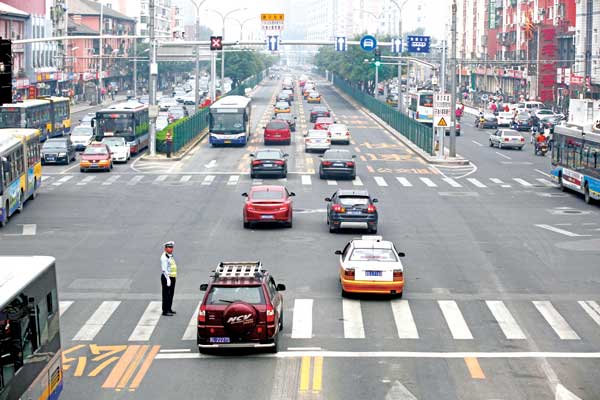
(257, 181)
(543, 173)
(592, 309)
(477, 143)
(555, 320)
(161, 178)
(191, 330)
(452, 182)
(306, 180)
(505, 319)
(208, 179)
(63, 180)
(331, 182)
(403, 181)
(211, 164)
(86, 180)
(428, 182)
(145, 326)
(233, 180)
(111, 180)
(185, 178)
(562, 393)
(546, 182)
(29, 229)
(499, 182)
(46, 178)
(302, 321)
(455, 320)
(522, 182)
(98, 319)
(357, 181)
(503, 155)
(399, 392)
(353, 320)
(134, 181)
(558, 230)
(380, 181)
(476, 182)
(63, 306)
(405, 323)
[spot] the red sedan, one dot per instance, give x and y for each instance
(268, 203)
(323, 123)
(277, 132)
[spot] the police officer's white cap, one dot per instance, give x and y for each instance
(170, 244)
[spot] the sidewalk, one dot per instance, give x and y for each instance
(84, 106)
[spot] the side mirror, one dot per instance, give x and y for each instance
(353, 155)
(401, 254)
(280, 287)
(375, 201)
(264, 127)
(295, 117)
(327, 199)
(338, 252)
(292, 194)
(244, 194)
(320, 155)
(252, 155)
(203, 287)
(93, 122)
(286, 155)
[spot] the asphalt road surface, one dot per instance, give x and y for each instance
(502, 278)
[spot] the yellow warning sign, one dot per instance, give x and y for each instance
(272, 17)
(442, 122)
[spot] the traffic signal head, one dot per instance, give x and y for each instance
(5, 72)
(377, 63)
(216, 42)
(377, 54)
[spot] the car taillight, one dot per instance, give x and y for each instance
(350, 164)
(256, 162)
(338, 209)
(308, 141)
(506, 139)
(328, 134)
(522, 139)
(371, 209)
(279, 162)
(202, 314)
(347, 133)
(349, 273)
(326, 163)
(398, 275)
(270, 314)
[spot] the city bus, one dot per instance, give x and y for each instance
(51, 115)
(12, 172)
(30, 350)
(129, 120)
(576, 161)
(32, 180)
(420, 106)
(229, 121)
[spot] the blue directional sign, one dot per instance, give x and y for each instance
(396, 45)
(340, 43)
(418, 44)
(272, 43)
(368, 43)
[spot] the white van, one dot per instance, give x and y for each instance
(530, 105)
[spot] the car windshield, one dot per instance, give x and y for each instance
(353, 200)
(275, 125)
(113, 142)
(385, 255)
(337, 128)
(95, 150)
(281, 104)
(319, 110)
(510, 133)
(82, 131)
(317, 134)
(266, 195)
(268, 155)
(51, 144)
(523, 116)
(284, 116)
(229, 294)
(506, 114)
(337, 155)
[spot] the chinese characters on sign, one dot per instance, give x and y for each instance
(547, 69)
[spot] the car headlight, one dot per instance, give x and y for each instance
(62, 154)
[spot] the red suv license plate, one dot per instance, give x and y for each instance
(219, 340)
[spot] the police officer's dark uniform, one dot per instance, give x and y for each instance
(168, 277)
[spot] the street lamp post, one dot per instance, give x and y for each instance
(400, 95)
(242, 23)
(197, 68)
(100, 50)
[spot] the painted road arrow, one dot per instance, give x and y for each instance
(211, 164)
(562, 393)
(399, 392)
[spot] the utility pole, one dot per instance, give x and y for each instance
(400, 95)
(213, 76)
(153, 110)
(134, 68)
(197, 67)
(442, 131)
(452, 148)
(100, 49)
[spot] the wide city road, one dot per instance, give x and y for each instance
(502, 278)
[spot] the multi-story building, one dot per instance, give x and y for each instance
(176, 21)
(140, 11)
(586, 71)
(12, 26)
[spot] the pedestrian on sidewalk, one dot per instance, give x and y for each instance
(169, 142)
(168, 277)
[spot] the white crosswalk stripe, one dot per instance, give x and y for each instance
(233, 180)
(185, 178)
(353, 320)
(499, 182)
(63, 180)
(452, 182)
(357, 181)
(97, 321)
(135, 180)
(46, 179)
(476, 182)
(403, 181)
(405, 324)
(302, 322)
(380, 181)
(523, 182)
(111, 180)
(161, 178)
(555, 320)
(147, 323)
(208, 180)
(63, 306)
(191, 331)
(331, 182)
(592, 309)
(455, 320)
(306, 180)
(507, 322)
(428, 182)
(86, 180)
(546, 182)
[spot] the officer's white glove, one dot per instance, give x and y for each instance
(168, 282)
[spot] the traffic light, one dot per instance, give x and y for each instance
(377, 57)
(216, 42)
(5, 71)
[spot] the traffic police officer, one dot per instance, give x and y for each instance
(168, 277)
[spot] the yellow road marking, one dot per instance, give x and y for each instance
(370, 169)
(132, 367)
(119, 369)
(305, 374)
(474, 368)
(317, 374)
(65, 359)
(80, 366)
(110, 350)
(100, 367)
(144, 368)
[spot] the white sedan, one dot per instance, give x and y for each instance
(507, 138)
(505, 118)
(339, 133)
(317, 139)
(119, 149)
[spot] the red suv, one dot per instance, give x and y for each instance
(277, 131)
(242, 307)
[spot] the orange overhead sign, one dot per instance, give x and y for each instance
(272, 17)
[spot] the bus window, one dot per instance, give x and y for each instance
(426, 100)
(10, 119)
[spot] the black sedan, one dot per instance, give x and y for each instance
(319, 111)
(353, 209)
(268, 162)
(549, 122)
(287, 117)
(58, 151)
(489, 121)
(522, 122)
(337, 163)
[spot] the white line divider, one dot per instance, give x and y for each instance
(134, 181)
(185, 178)
(592, 309)
(233, 180)
(455, 320)
(63, 180)
(556, 321)
(499, 182)
(476, 182)
(257, 181)
(161, 178)
(191, 331)
(403, 181)
(98, 319)
(331, 182)
(428, 182)
(306, 180)
(452, 182)
(405, 323)
(63, 306)
(46, 178)
(147, 323)
(86, 180)
(523, 182)
(111, 180)
(357, 181)
(353, 320)
(380, 181)
(558, 230)
(302, 321)
(505, 319)
(208, 179)
(29, 229)
(546, 182)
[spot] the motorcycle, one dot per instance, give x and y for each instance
(541, 149)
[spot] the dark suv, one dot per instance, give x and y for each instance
(351, 209)
(242, 308)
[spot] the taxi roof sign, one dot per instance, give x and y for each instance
(271, 17)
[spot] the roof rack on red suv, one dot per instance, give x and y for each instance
(242, 307)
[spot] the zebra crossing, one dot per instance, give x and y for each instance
(51, 182)
(510, 319)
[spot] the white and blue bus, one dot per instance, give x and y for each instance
(229, 121)
(420, 106)
(576, 161)
(12, 173)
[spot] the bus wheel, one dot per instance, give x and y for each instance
(588, 198)
(34, 193)
(21, 201)
(562, 185)
(5, 213)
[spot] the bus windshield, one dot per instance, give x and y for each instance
(426, 100)
(227, 123)
(121, 126)
(10, 119)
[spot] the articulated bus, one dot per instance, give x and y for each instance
(30, 350)
(420, 106)
(229, 121)
(576, 161)
(129, 120)
(51, 115)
